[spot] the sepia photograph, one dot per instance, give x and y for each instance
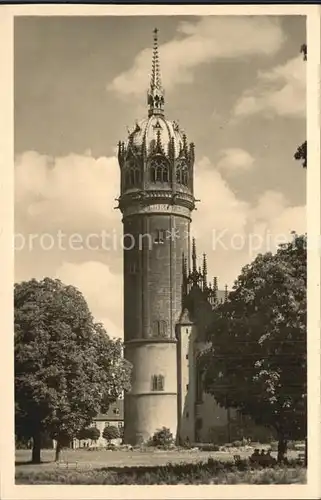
(160, 249)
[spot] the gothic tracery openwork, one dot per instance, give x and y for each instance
(132, 175)
(159, 170)
(182, 176)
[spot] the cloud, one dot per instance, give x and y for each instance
(233, 231)
(280, 91)
(235, 160)
(76, 194)
(273, 219)
(65, 220)
(219, 208)
(197, 42)
(102, 289)
(73, 193)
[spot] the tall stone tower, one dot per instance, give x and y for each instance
(156, 201)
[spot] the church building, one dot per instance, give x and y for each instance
(168, 299)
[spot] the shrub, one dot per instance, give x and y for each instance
(110, 447)
(162, 438)
(217, 435)
(110, 433)
(209, 447)
(237, 444)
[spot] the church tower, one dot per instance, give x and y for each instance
(156, 163)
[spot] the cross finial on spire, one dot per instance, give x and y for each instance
(155, 96)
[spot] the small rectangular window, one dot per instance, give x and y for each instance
(186, 356)
(157, 383)
(160, 236)
(132, 267)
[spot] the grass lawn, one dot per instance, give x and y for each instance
(106, 458)
(148, 467)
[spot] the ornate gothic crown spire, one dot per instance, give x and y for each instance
(155, 96)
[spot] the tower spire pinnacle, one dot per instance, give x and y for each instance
(204, 271)
(155, 79)
(194, 267)
(155, 96)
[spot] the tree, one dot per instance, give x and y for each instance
(93, 433)
(111, 432)
(301, 153)
(67, 369)
(257, 359)
(83, 434)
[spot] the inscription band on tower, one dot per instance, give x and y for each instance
(162, 208)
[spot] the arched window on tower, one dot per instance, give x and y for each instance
(159, 170)
(137, 176)
(159, 174)
(182, 174)
(165, 175)
(132, 175)
(160, 328)
(127, 179)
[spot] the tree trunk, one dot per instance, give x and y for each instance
(282, 448)
(36, 448)
(58, 450)
(306, 452)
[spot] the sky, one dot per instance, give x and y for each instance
(235, 84)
